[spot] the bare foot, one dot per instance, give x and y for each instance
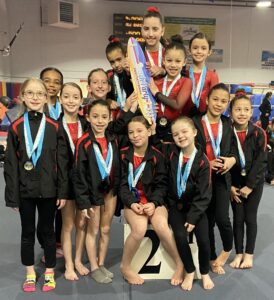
(247, 262)
(208, 284)
(81, 269)
(272, 182)
(235, 264)
(131, 277)
(70, 275)
(216, 268)
(188, 281)
(222, 258)
(177, 277)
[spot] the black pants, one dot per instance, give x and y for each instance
(57, 225)
(177, 220)
(46, 212)
(270, 166)
(245, 213)
(218, 212)
(264, 121)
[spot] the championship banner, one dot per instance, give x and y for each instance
(141, 78)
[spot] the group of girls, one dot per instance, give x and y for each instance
(176, 171)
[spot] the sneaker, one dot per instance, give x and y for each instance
(49, 283)
(29, 285)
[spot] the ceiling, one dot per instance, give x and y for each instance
(239, 3)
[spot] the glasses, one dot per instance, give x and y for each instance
(30, 95)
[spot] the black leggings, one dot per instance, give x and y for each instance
(218, 212)
(245, 213)
(46, 213)
(177, 220)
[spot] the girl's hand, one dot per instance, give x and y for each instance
(88, 213)
(137, 208)
(189, 227)
(153, 87)
(126, 65)
(235, 194)
(113, 104)
(153, 127)
(216, 164)
(228, 163)
(245, 191)
(15, 209)
(149, 209)
(156, 71)
(131, 103)
(60, 203)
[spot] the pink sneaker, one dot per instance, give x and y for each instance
(29, 285)
(49, 283)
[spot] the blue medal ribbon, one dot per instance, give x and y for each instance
(182, 179)
(34, 149)
(122, 96)
(133, 177)
(215, 145)
(240, 150)
(55, 112)
(103, 165)
(197, 90)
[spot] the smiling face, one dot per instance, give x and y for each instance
(71, 99)
(217, 103)
(53, 82)
(99, 85)
(241, 112)
(199, 50)
(174, 60)
(152, 31)
(138, 134)
(99, 117)
(34, 96)
(116, 59)
(183, 134)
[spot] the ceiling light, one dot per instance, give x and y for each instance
(263, 4)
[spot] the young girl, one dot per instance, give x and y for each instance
(96, 180)
(152, 32)
(202, 78)
(172, 91)
(189, 196)
(270, 154)
(119, 77)
(74, 126)
(36, 174)
(215, 137)
(143, 190)
(53, 79)
(247, 180)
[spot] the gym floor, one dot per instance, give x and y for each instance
(255, 284)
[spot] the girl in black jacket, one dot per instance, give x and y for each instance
(143, 191)
(36, 173)
(73, 127)
(247, 180)
(215, 137)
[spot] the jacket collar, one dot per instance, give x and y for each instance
(148, 155)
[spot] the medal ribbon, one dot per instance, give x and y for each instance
(215, 145)
(240, 149)
(197, 90)
(55, 112)
(160, 54)
(79, 134)
(181, 180)
(122, 96)
(103, 165)
(133, 177)
(34, 149)
(167, 92)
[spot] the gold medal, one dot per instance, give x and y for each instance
(243, 172)
(28, 165)
(180, 206)
(163, 121)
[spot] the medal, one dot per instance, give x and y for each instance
(79, 134)
(166, 91)
(243, 172)
(121, 94)
(28, 165)
(135, 193)
(133, 178)
(104, 185)
(34, 149)
(163, 121)
(181, 180)
(197, 90)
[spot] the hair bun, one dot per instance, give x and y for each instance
(113, 39)
(153, 9)
(177, 38)
(240, 92)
